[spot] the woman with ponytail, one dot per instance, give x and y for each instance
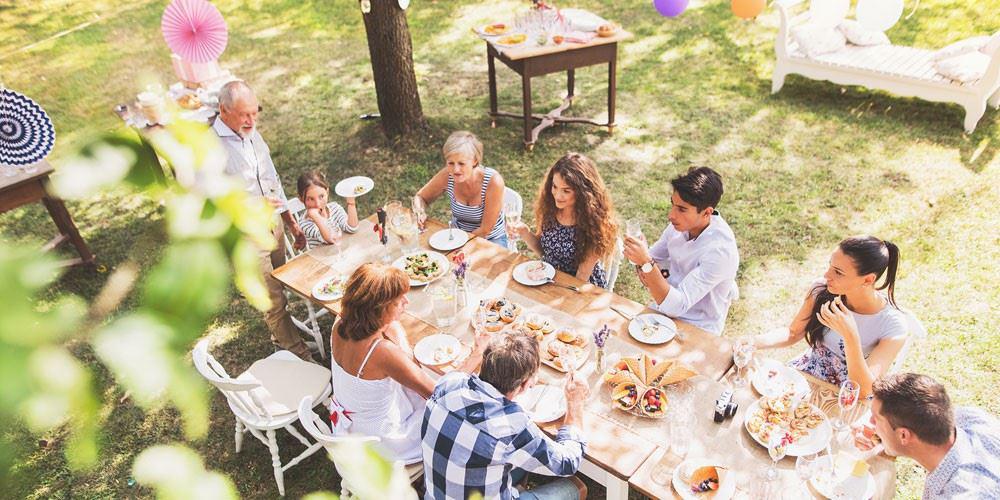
(849, 318)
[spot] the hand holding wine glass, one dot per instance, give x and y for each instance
(420, 212)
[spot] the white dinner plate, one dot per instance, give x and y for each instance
(814, 442)
(543, 402)
(441, 260)
(772, 377)
(658, 329)
(447, 240)
(325, 296)
(521, 273)
(482, 30)
(826, 485)
(726, 486)
(437, 350)
(351, 187)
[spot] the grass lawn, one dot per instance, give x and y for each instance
(803, 169)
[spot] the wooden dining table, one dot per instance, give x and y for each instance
(730, 445)
(618, 443)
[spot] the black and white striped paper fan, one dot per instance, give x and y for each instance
(26, 132)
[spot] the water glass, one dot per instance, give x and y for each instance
(680, 435)
(444, 304)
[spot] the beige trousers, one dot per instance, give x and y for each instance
(278, 319)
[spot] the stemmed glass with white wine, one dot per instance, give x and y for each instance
(743, 349)
(512, 217)
(633, 229)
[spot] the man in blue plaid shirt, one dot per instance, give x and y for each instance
(475, 436)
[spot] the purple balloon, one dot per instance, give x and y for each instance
(670, 8)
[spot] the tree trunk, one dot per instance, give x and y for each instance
(392, 66)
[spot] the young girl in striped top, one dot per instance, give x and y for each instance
(322, 216)
(475, 191)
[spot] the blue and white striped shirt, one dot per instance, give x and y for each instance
(468, 218)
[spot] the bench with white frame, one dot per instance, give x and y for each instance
(901, 70)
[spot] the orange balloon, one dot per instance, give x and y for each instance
(748, 9)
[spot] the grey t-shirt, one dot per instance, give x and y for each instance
(886, 324)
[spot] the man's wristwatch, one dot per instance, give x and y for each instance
(647, 267)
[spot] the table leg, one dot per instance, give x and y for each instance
(526, 98)
(491, 64)
(612, 91)
(570, 82)
(57, 210)
(617, 489)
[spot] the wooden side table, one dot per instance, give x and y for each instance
(27, 188)
(538, 61)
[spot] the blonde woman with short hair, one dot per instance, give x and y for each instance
(475, 191)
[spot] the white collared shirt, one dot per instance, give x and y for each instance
(249, 160)
(702, 274)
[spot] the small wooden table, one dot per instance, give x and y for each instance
(536, 61)
(618, 444)
(27, 188)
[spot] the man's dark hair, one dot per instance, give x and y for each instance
(918, 403)
(509, 361)
(700, 186)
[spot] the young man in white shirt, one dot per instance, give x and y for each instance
(691, 270)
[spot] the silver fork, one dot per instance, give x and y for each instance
(568, 287)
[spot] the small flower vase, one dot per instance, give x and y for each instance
(599, 352)
(461, 293)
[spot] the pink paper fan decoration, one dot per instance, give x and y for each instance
(194, 30)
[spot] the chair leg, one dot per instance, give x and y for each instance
(973, 112)
(778, 78)
(279, 475)
(314, 327)
(239, 435)
(995, 100)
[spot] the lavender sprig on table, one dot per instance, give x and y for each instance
(601, 336)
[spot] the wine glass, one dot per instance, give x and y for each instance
(337, 235)
(512, 216)
(271, 189)
(847, 400)
(805, 467)
(743, 349)
(777, 445)
(420, 212)
(633, 229)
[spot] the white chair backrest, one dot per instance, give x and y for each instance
(239, 393)
(613, 263)
(915, 332)
(320, 431)
(511, 197)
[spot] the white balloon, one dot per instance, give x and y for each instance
(828, 13)
(879, 15)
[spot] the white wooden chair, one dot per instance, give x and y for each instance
(511, 197)
(916, 332)
(324, 435)
(310, 324)
(901, 70)
(613, 263)
(265, 398)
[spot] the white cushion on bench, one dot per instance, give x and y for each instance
(964, 68)
(815, 40)
(859, 35)
(961, 47)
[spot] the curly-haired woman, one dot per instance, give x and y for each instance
(575, 215)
